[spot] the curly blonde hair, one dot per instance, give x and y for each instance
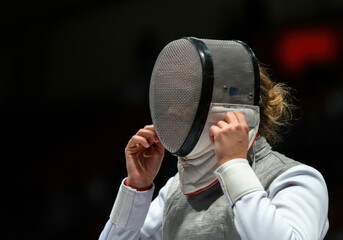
(276, 107)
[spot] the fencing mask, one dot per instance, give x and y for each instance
(193, 83)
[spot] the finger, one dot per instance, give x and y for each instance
(138, 140)
(242, 121)
(222, 124)
(240, 116)
(231, 118)
(147, 134)
(213, 132)
(159, 147)
(149, 127)
(152, 128)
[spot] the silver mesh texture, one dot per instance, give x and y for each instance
(175, 89)
(233, 71)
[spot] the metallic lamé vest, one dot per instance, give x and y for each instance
(207, 215)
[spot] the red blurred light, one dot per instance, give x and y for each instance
(300, 47)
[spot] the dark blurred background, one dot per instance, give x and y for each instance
(74, 79)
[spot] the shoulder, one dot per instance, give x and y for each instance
(300, 175)
(273, 165)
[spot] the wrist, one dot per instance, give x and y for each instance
(138, 187)
(227, 159)
(237, 178)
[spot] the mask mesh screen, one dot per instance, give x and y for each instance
(233, 68)
(175, 89)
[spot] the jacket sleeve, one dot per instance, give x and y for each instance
(134, 216)
(295, 206)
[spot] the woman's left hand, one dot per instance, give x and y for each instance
(230, 137)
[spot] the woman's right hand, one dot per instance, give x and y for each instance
(144, 154)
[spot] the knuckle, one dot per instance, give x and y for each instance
(223, 131)
(140, 131)
(246, 127)
(227, 115)
(238, 127)
(221, 123)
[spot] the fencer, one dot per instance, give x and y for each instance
(217, 111)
